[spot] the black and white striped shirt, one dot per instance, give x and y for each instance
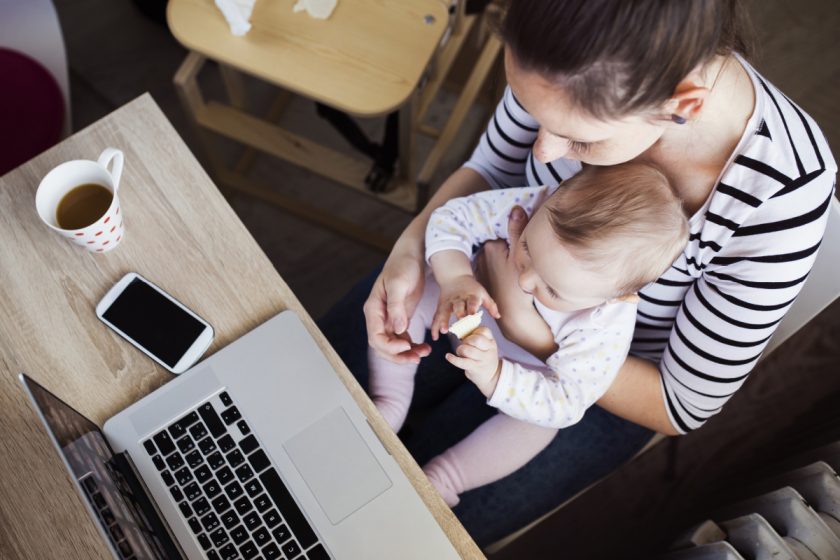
(709, 317)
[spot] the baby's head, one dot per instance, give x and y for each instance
(604, 234)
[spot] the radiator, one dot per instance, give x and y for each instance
(792, 515)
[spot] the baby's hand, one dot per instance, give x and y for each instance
(478, 356)
(460, 296)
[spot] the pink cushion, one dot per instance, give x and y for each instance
(31, 109)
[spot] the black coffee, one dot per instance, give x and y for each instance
(82, 206)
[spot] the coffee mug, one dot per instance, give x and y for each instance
(106, 231)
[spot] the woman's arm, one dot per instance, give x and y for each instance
(636, 395)
(398, 288)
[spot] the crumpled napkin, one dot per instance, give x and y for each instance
(319, 9)
(237, 13)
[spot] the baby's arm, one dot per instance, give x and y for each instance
(575, 377)
(460, 293)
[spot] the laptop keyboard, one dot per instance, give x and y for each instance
(227, 490)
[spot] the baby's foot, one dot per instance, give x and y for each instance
(436, 471)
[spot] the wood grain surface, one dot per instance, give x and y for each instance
(181, 234)
(366, 59)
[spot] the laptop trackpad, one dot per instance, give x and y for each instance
(337, 465)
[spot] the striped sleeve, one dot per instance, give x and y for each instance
(503, 151)
(729, 314)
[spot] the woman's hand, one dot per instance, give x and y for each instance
(389, 307)
(495, 269)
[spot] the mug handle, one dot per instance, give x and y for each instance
(112, 155)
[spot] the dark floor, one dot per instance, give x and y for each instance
(115, 54)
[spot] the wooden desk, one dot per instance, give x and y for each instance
(180, 233)
(368, 59)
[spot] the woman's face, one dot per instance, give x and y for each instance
(570, 132)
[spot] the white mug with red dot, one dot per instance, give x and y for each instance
(106, 232)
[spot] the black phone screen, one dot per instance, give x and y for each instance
(153, 322)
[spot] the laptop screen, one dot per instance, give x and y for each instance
(105, 480)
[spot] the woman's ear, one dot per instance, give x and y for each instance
(687, 101)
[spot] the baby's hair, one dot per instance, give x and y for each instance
(625, 216)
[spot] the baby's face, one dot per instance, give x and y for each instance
(553, 275)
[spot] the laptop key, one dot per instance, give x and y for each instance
(203, 474)
(243, 505)
(210, 521)
(253, 487)
(317, 552)
(177, 495)
(175, 461)
(183, 476)
(211, 420)
(291, 549)
(216, 460)
(221, 503)
(186, 444)
(248, 550)
(243, 427)
(219, 537)
(164, 443)
(167, 478)
(285, 503)
(195, 526)
(204, 541)
(192, 491)
(226, 443)
(231, 415)
(212, 489)
(261, 536)
(179, 428)
(281, 534)
(235, 458)
(185, 508)
(150, 447)
(158, 461)
(225, 398)
(244, 473)
(271, 552)
(252, 521)
(233, 490)
(248, 444)
(263, 502)
(228, 552)
(239, 534)
(194, 458)
(224, 475)
(271, 518)
(207, 445)
(201, 506)
(212, 555)
(259, 460)
(198, 431)
(229, 519)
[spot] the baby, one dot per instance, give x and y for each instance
(589, 246)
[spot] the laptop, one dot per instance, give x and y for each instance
(259, 451)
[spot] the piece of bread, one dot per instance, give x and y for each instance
(464, 326)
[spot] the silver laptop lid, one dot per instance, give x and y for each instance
(114, 496)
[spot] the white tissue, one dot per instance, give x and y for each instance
(237, 13)
(319, 9)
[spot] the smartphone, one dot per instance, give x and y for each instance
(155, 322)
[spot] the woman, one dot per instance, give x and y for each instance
(601, 82)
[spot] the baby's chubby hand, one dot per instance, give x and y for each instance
(460, 296)
(478, 356)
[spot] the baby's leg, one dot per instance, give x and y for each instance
(494, 450)
(392, 385)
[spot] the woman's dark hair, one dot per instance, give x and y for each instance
(617, 57)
